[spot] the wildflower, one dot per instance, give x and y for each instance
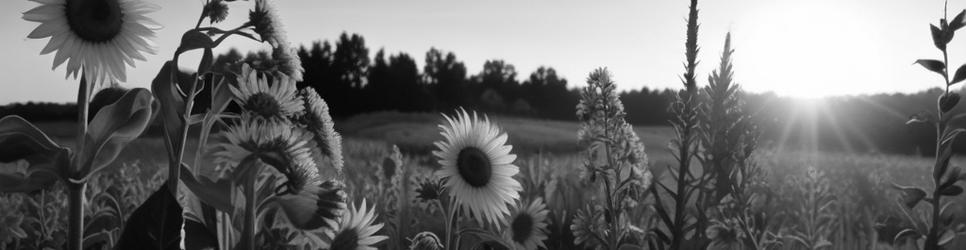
(318, 121)
(287, 60)
(96, 35)
(724, 235)
(264, 100)
(586, 224)
(477, 167)
(266, 23)
(425, 241)
(356, 230)
(216, 10)
(527, 227)
(271, 142)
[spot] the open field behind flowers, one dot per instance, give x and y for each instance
(551, 167)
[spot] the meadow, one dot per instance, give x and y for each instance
(866, 210)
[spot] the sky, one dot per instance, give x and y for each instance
(802, 48)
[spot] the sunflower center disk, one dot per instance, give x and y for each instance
(347, 239)
(264, 105)
(522, 227)
(474, 166)
(95, 20)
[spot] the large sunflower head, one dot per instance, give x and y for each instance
(316, 119)
(527, 227)
(98, 36)
(275, 100)
(356, 230)
(477, 167)
(274, 143)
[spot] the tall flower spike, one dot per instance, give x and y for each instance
(317, 120)
(98, 36)
(477, 167)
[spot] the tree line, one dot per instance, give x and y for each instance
(353, 83)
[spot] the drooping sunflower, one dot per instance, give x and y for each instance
(98, 36)
(477, 167)
(317, 120)
(272, 142)
(266, 23)
(527, 227)
(264, 99)
(356, 230)
(314, 213)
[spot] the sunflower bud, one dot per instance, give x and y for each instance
(216, 11)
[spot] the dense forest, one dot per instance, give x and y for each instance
(354, 81)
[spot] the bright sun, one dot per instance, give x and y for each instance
(807, 49)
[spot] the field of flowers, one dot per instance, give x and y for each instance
(865, 211)
(264, 166)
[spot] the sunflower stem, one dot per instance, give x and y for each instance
(248, 230)
(449, 224)
(75, 199)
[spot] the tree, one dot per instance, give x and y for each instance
(446, 77)
(547, 93)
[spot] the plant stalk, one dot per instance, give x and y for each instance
(75, 199)
(248, 230)
(75, 202)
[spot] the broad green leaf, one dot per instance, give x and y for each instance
(938, 38)
(908, 232)
(193, 40)
(947, 236)
(29, 160)
(960, 75)
(957, 21)
(114, 127)
(948, 101)
(167, 93)
(214, 193)
(206, 61)
(910, 196)
(951, 190)
(156, 224)
(932, 65)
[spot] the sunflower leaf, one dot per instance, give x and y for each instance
(45, 160)
(156, 224)
(193, 40)
(932, 65)
(114, 127)
(172, 106)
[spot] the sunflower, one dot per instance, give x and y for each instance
(527, 226)
(477, 167)
(425, 241)
(317, 120)
(265, 21)
(264, 100)
(313, 213)
(287, 59)
(356, 231)
(98, 36)
(271, 142)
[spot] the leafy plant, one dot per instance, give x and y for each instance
(615, 158)
(678, 222)
(936, 229)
